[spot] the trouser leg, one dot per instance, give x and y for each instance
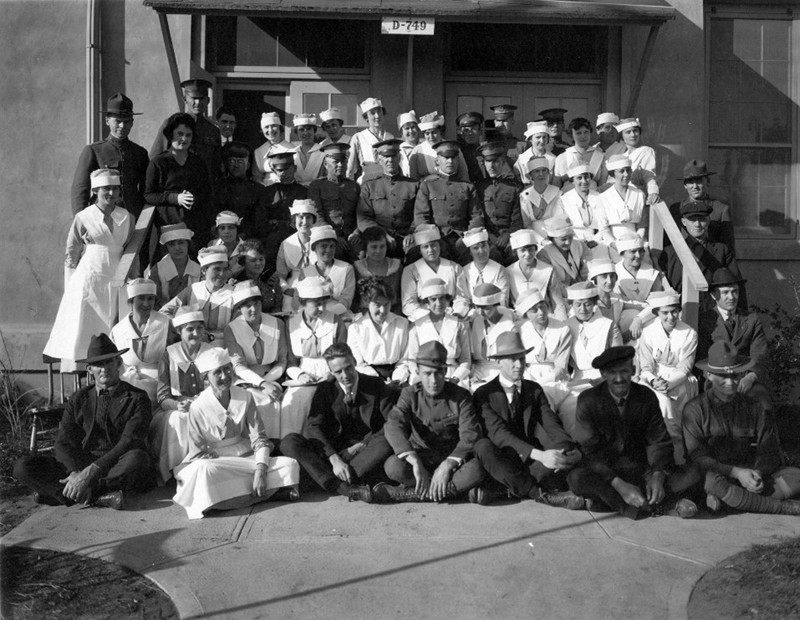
(132, 472)
(505, 466)
(371, 456)
(42, 474)
(399, 470)
(586, 483)
(731, 494)
(311, 460)
(468, 476)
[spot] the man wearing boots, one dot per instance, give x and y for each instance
(527, 449)
(432, 427)
(343, 438)
(731, 438)
(101, 447)
(627, 449)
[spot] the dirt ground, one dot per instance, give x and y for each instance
(16, 505)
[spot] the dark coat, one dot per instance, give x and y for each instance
(450, 204)
(389, 203)
(501, 209)
(533, 425)
(637, 438)
(79, 434)
(335, 426)
(748, 337)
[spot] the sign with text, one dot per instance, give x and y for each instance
(408, 25)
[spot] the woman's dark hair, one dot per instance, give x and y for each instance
(372, 289)
(579, 123)
(372, 234)
(179, 118)
(251, 244)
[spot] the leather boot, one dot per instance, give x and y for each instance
(384, 493)
(44, 500)
(115, 500)
(559, 499)
(485, 495)
(286, 494)
(355, 492)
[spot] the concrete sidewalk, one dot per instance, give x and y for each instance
(326, 558)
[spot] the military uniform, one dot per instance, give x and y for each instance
(452, 206)
(270, 220)
(127, 157)
(336, 202)
(388, 202)
(501, 209)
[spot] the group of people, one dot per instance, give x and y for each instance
(406, 320)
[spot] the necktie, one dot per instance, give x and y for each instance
(231, 429)
(621, 403)
(305, 260)
(665, 354)
(541, 354)
(515, 398)
(479, 279)
(730, 325)
(349, 398)
(586, 216)
(583, 336)
(258, 349)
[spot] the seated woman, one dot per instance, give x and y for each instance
(226, 227)
(379, 338)
(257, 346)
(295, 252)
(492, 318)
(179, 383)
(621, 208)
(143, 332)
(253, 260)
(548, 342)
(178, 182)
(327, 268)
(580, 205)
(540, 200)
(581, 153)
(603, 275)
(376, 263)
(437, 324)
(566, 255)
(422, 160)
(636, 279)
(429, 266)
(643, 158)
(213, 294)
(176, 271)
(95, 243)
(665, 357)
(311, 330)
(482, 269)
(528, 273)
(229, 464)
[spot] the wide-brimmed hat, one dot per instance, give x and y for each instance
(211, 359)
(432, 354)
(695, 168)
(101, 348)
(528, 299)
(120, 106)
(508, 344)
(724, 359)
(724, 277)
(612, 356)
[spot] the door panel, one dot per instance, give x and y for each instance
(249, 103)
(314, 97)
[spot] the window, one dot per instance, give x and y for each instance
(282, 42)
(752, 132)
(527, 48)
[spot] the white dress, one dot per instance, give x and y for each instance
(90, 301)
(521, 167)
(454, 336)
(389, 346)
(536, 208)
(582, 217)
(309, 166)
(140, 362)
(618, 215)
(237, 436)
(342, 280)
(419, 272)
(217, 306)
(482, 341)
(492, 273)
(633, 290)
(362, 154)
(549, 354)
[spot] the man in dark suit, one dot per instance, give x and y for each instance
(343, 440)
(432, 427)
(726, 322)
(710, 255)
(627, 449)
(101, 447)
(117, 152)
(527, 449)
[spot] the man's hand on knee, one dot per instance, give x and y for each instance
(630, 493)
(78, 485)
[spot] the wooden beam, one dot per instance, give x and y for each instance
(642, 71)
(408, 93)
(173, 63)
(128, 264)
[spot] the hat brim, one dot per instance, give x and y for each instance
(684, 178)
(102, 358)
(731, 283)
(515, 353)
(726, 370)
(431, 363)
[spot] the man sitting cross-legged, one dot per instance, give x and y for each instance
(731, 438)
(527, 449)
(101, 446)
(342, 440)
(627, 450)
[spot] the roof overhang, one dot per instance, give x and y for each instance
(584, 12)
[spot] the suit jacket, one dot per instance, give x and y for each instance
(445, 423)
(636, 438)
(748, 337)
(336, 426)
(128, 157)
(532, 425)
(127, 424)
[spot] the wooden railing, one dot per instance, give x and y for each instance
(694, 281)
(129, 263)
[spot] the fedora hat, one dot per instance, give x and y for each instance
(724, 359)
(508, 344)
(120, 106)
(101, 348)
(432, 354)
(695, 168)
(724, 277)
